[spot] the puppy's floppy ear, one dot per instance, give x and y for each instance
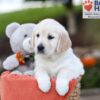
(64, 43)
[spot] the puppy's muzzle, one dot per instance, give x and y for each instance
(40, 48)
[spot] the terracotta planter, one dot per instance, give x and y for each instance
(23, 87)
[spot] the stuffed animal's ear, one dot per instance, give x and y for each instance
(64, 43)
(11, 28)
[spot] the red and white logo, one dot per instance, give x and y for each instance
(87, 4)
(91, 9)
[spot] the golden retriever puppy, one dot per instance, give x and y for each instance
(54, 56)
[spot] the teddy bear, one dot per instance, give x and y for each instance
(21, 62)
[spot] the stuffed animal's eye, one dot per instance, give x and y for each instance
(37, 35)
(25, 35)
(50, 37)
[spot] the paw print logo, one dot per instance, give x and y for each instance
(88, 5)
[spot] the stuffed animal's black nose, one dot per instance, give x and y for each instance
(40, 48)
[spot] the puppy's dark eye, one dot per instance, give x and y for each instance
(37, 35)
(50, 37)
(25, 35)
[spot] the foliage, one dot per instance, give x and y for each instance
(91, 79)
(30, 15)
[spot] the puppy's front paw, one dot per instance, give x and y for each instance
(44, 84)
(62, 87)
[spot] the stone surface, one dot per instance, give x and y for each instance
(93, 97)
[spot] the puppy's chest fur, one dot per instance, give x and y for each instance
(51, 65)
(67, 61)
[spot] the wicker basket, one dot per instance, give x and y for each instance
(75, 93)
(17, 87)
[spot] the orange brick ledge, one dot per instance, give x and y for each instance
(24, 87)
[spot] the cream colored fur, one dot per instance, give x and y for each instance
(58, 59)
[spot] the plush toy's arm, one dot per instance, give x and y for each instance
(11, 62)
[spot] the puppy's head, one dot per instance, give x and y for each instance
(50, 38)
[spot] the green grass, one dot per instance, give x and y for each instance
(31, 15)
(91, 79)
(78, 8)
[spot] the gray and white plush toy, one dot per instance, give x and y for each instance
(21, 62)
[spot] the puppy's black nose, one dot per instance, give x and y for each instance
(40, 48)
